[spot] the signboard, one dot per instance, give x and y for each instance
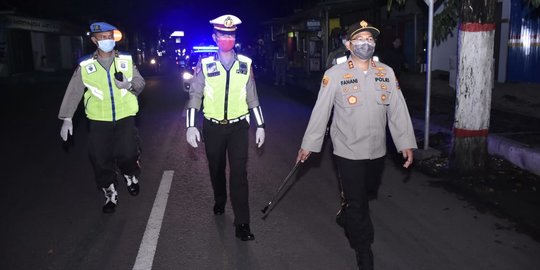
(31, 24)
(313, 25)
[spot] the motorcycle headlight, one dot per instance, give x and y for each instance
(187, 76)
(153, 61)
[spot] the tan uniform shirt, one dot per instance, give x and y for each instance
(363, 104)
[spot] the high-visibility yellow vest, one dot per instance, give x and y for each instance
(103, 101)
(225, 92)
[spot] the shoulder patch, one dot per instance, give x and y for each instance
(325, 81)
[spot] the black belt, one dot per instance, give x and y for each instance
(227, 121)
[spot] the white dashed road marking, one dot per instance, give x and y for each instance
(147, 250)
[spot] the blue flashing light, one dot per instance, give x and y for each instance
(205, 48)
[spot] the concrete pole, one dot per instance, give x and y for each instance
(428, 72)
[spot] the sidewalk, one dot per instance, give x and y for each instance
(514, 124)
(514, 121)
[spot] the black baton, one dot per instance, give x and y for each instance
(268, 208)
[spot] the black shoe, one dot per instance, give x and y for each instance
(132, 185)
(219, 209)
(111, 197)
(244, 233)
(109, 207)
(364, 258)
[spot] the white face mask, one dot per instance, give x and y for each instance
(106, 45)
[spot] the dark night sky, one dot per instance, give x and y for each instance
(189, 15)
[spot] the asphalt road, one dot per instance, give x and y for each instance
(51, 210)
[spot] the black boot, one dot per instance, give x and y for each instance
(364, 258)
(219, 209)
(244, 233)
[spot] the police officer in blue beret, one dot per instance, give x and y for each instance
(110, 84)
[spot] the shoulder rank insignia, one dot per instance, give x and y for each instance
(325, 81)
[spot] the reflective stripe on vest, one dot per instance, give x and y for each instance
(103, 101)
(225, 92)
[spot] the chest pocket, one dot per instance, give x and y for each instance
(351, 95)
(383, 94)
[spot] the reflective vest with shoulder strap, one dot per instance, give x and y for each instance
(103, 101)
(225, 91)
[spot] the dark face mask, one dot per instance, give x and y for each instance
(363, 50)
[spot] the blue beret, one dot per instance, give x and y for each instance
(98, 27)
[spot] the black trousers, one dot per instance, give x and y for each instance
(113, 146)
(358, 179)
(222, 141)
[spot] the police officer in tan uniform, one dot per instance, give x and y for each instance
(366, 97)
(225, 87)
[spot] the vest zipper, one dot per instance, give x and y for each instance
(112, 97)
(226, 94)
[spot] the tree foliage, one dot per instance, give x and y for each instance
(445, 22)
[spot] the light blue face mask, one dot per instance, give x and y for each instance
(106, 45)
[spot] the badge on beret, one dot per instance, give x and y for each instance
(325, 81)
(352, 100)
(97, 28)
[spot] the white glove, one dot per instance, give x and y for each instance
(125, 84)
(67, 128)
(259, 137)
(193, 136)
